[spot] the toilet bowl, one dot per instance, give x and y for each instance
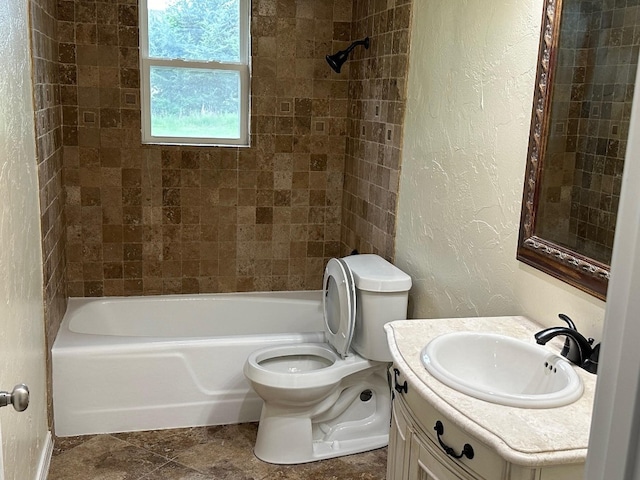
(333, 399)
(299, 375)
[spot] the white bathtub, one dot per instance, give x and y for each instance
(144, 363)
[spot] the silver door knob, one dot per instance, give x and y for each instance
(19, 398)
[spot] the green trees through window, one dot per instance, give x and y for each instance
(203, 30)
(196, 65)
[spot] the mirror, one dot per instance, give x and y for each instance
(584, 87)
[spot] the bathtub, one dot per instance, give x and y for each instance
(144, 363)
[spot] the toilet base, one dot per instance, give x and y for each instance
(323, 450)
(354, 419)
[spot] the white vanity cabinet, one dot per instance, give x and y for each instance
(415, 452)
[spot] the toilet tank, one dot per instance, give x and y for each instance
(382, 291)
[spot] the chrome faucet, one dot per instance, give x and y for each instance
(577, 349)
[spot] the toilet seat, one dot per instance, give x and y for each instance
(257, 367)
(311, 365)
(338, 303)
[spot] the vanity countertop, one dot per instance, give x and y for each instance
(528, 437)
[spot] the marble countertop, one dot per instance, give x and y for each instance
(528, 437)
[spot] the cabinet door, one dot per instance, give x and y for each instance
(399, 444)
(425, 465)
(486, 463)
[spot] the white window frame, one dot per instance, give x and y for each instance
(242, 67)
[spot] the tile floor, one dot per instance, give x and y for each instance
(221, 452)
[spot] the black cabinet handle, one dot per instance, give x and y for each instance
(467, 450)
(399, 388)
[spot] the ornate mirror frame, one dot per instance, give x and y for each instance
(567, 265)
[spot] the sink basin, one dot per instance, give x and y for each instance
(502, 370)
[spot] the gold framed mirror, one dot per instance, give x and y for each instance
(584, 87)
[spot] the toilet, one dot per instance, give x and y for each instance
(324, 400)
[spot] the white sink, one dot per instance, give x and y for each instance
(502, 370)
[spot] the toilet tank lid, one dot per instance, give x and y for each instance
(374, 274)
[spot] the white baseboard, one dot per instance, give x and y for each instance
(45, 458)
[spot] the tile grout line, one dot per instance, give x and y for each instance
(142, 448)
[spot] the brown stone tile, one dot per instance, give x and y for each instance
(168, 443)
(174, 471)
(62, 444)
(86, 33)
(226, 452)
(104, 457)
(128, 36)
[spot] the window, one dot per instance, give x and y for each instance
(194, 64)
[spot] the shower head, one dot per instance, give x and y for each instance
(336, 60)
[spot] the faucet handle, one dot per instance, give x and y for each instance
(572, 325)
(591, 363)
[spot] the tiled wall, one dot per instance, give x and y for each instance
(593, 93)
(48, 123)
(377, 94)
(158, 220)
(152, 219)
(611, 64)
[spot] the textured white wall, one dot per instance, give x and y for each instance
(22, 345)
(472, 69)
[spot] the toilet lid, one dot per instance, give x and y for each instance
(338, 302)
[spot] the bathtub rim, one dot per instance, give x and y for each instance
(67, 339)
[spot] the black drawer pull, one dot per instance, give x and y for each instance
(467, 450)
(399, 388)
